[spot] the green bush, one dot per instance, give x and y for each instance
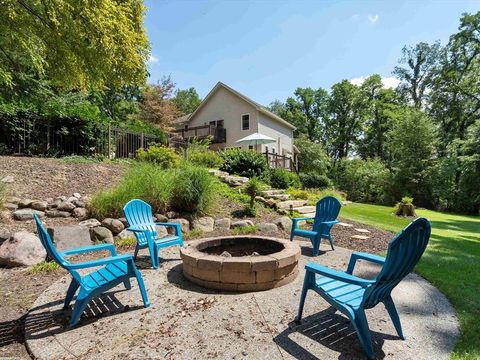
(205, 158)
(312, 180)
(145, 181)
(164, 157)
(283, 179)
(366, 181)
(194, 190)
(244, 163)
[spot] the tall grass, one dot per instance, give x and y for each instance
(188, 189)
(143, 181)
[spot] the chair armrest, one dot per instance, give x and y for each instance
(178, 229)
(333, 222)
(91, 248)
(337, 275)
(100, 262)
(364, 256)
(296, 220)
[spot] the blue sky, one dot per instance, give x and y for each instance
(266, 49)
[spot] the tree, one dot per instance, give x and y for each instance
(312, 156)
(278, 108)
(306, 111)
(74, 44)
(157, 105)
(382, 104)
(187, 101)
(347, 110)
(456, 92)
(417, 77)
(411, 144)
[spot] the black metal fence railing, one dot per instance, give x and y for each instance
(29, 136)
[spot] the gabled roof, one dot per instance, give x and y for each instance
(256, 105)
(182, 119)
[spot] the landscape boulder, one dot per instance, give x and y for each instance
(39, 205)
(126, 234)
(124, 221)
(283, 222)
(242, 223)
(8, 179)
(13, 200)
(65, 206)
(161, 218)
(184, 224)
(80, 213)
(4, 235)
(205, 224)
(25, 203)
(53, 204)
(114, 225)
(101, 234)
(10, 206)
(69, 237)
(57, 213)
(77, 195)
(22, 249)
(27, 214)
(79, 203)
(90, 223)
(223, 223)
(267, 227)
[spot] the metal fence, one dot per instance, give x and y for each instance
(31, 137)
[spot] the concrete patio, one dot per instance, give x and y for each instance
(186, 321)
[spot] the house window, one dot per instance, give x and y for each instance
(220, 123)
(250, 147)
(246, 122)
(213, 123)
(186, 127)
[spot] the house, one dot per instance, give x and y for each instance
(226, 116)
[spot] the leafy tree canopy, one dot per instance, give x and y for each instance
(187, 101)
(74, 44)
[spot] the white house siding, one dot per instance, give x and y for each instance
(282, 134)
(223, 105)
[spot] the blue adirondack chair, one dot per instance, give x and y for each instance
(352, 295)
(327, 210)
(140, 220)
(119, 269)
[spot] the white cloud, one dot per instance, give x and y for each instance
(387, 82)
(152, 59)
(373, 18)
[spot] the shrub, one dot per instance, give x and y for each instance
(252, 188)
(364, 180)
(145, 181)
(283, 179)
(314, 180)
(44, 267)
(244, 163)
(313, 195)
(194, 190)
(206, 158)
(165, 157)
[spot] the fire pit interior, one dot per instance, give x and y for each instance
(242, 247)
(239, 263)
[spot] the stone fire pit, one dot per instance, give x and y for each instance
(240, 263)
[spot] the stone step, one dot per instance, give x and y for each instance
(345, 225)
(272, 192)
(294, 203)
(364, 231)
(360, 237)
(305, 209)
(281, 197)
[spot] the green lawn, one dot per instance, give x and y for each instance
(451, 263)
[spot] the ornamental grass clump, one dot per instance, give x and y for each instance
(252, 188)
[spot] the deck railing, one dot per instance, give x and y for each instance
(277, 161)
(215, 133)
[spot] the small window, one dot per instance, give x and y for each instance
(246, 122)
(186, 127)
(220, 123)
(213, 123)
(250, 147)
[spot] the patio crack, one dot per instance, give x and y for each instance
(268, 325)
